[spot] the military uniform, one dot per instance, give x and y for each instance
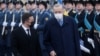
(88, 32)
(3, 25)
(18, 15)
(2, 37)
(97, 33)
(79, 18)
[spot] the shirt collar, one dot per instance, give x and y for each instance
(24, 27)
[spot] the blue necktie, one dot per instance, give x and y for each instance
(60, 22)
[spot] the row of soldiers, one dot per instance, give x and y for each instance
(86, 15)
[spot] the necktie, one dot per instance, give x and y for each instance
(28, 32)
(60, 22)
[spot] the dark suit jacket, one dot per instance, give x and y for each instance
(24, 45)
(64, 40)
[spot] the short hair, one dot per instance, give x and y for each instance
(25, 17)
(57, 5)
(44, 4)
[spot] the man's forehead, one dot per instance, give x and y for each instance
(58, 8)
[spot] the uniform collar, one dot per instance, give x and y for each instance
(4, 10)
(97, 13)
(41, 12)
(10, 11)
(18, 10)
(89, 12)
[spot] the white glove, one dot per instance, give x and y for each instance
(85, 49)
(5, 23)
(13, 23)
(35, 26)
(20, 24)
(91, 42)
(81, 42)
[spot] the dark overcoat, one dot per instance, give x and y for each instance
(64, 40)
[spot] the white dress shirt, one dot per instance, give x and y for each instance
(25, 29)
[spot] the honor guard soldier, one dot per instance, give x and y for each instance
(97, 27)
(80, 13)
(9, 18)
(18, 14)
(28, 7)
(10, 13)
(69, 8)
(43, 17)
(88, 28)
(79, 18)
(49, 9)
(3, 30)
(34, 8)
(2, 12)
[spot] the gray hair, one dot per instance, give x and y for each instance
(57, 5)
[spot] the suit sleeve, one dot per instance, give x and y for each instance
(47, 39)
(14, 44)
(37, 45)
(76, 38)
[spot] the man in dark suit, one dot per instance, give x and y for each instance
(25, 38)
(61, 35)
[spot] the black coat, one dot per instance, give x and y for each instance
(63, 40)
(24, 45)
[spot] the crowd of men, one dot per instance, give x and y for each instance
(85, 13)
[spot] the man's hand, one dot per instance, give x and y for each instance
(52, 53)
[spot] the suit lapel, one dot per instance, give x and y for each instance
(56, 23)
(23, 32)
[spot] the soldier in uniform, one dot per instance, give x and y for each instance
(49, 9)
(3, 29)
(34, 8)
(79, 18)
(28, 7)
(18, 14)
(43, 17)
(9, 17)
(69, 8)
(97, 27)
(88, 28)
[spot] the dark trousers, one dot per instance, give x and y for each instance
(5, 45)
(43, 49)
(97, 44)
